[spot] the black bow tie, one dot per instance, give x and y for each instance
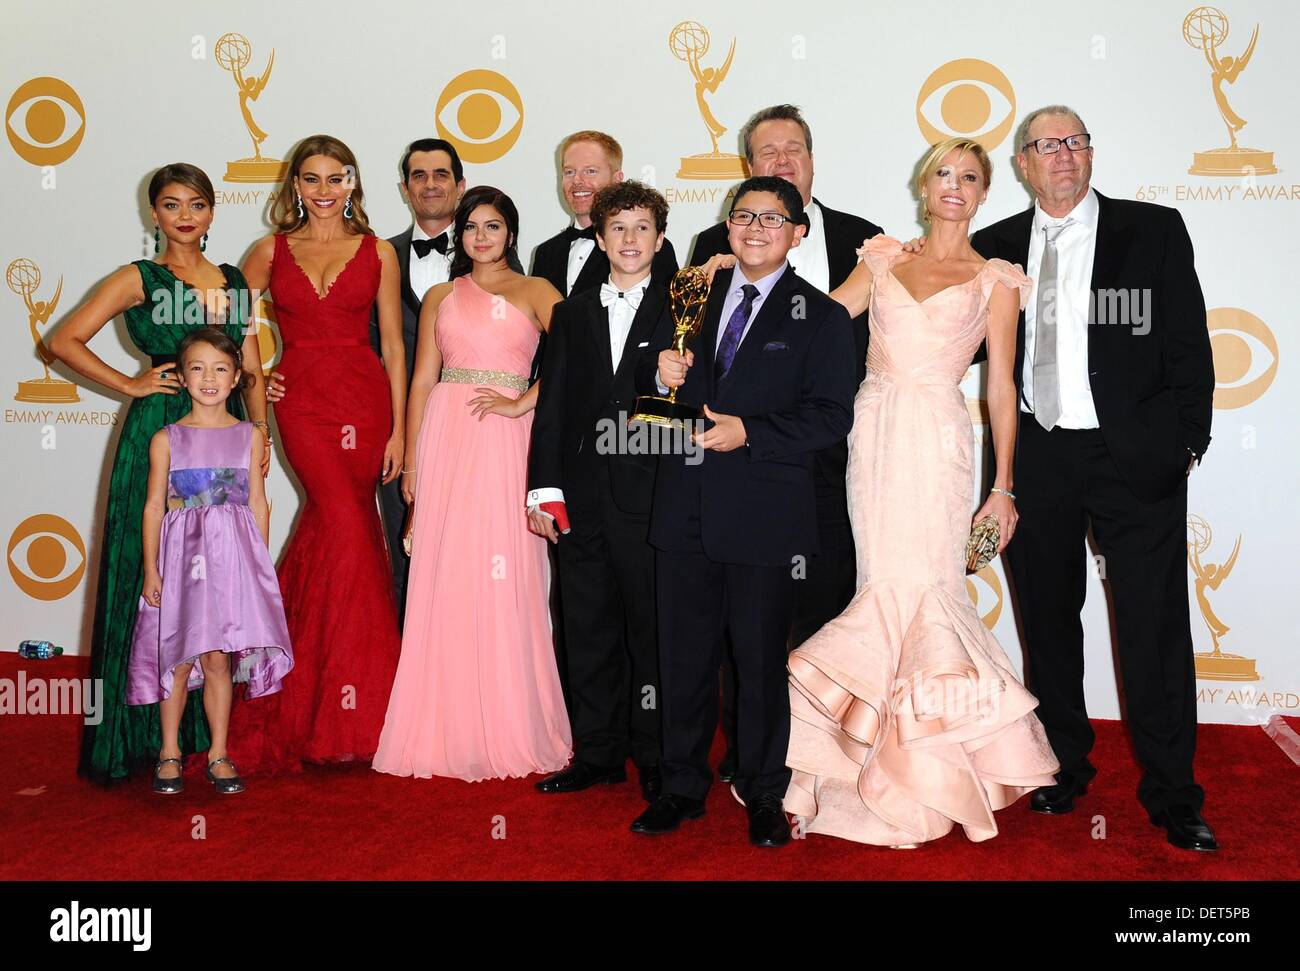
(573, 232)
(422, 246)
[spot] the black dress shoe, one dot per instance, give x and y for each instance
(667, 814)
(581, 776)
(728, 766)
(1186, 828)
(767, 823)
(1057, 799)
(652, 783)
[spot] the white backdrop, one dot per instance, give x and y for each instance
(135, 86)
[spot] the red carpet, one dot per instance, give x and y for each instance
(350, 823)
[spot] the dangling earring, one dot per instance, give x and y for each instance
(203, 244)
(155, 240)
(301, 214)
(347, 208)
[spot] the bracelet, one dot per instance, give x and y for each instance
(1004, 492)
(404, 471)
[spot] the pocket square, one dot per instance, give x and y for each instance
(776, 346)
(643, 344)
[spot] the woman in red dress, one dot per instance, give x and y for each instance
(341, 422)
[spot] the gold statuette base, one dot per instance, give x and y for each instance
(655, 410)
(255, 170)
(1225, 667)
(47, 391)
(711, 166)
(1232, 163)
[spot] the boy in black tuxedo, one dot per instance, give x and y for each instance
(598, 494)
(773, 366)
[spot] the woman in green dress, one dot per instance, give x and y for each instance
(162, 300)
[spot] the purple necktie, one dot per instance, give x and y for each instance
(735, 328)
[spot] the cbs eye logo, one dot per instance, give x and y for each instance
(966, 98)
(45, 121)
(1245, 356)
(481, 113)
(985, 591)
(268, 343)
(47, 558)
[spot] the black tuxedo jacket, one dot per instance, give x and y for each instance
(844, 235)
(791, 382)
(1153, 391)
(551, 261)
(583, 400)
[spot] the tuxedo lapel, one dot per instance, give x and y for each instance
(598, 318)
(841, 253)
(402, 244)
(705, 344)
(1111, 249)
(775, 308)
(642, 329)
(594, 272)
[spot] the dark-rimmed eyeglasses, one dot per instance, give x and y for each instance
(1050, 146)
(768, 220)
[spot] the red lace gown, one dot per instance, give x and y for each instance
(335, 577)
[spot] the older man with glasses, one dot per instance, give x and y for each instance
(1115, 378)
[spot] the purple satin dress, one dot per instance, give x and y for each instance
(219, 590)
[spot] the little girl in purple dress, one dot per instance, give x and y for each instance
(210, 589)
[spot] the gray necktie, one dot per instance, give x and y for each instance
(1047, 387)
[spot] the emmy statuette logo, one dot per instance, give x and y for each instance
(38, 122)
(24, 279)
(689, 42)
(1206, 29)
(1214, 665)
(233, 53)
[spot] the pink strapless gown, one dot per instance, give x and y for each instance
(477, 694)
(906, 716)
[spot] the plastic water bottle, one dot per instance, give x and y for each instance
(38, 650)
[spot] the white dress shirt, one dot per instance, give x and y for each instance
(432, 269)
(809, 257)
(1075, 248)
(579, 250)
(621, 312)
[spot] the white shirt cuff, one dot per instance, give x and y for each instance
(659, 384)
(538, 496)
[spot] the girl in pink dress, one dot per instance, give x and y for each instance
(906, 715)
(477, 693)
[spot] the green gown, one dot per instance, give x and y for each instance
(129, 736)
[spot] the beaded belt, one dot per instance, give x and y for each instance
(501, 379)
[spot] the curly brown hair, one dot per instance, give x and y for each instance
(284, 210)
(620, 196)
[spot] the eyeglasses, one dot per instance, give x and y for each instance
(1050, 146)
(768, 220)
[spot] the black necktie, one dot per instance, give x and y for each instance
(422, 246)
(573, 232)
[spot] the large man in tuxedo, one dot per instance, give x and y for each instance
(433, 180)
(1116, 382)
(583, 480)
(571, 260)
(773, 367)
(778, 142)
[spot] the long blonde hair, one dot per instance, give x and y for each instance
(284, 211)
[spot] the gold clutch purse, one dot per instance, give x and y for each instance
(983, 544)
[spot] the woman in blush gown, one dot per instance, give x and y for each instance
(341, 423)
(906, 715)
(477, 694)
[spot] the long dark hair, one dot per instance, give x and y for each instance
(217, 338)
(483, 195)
